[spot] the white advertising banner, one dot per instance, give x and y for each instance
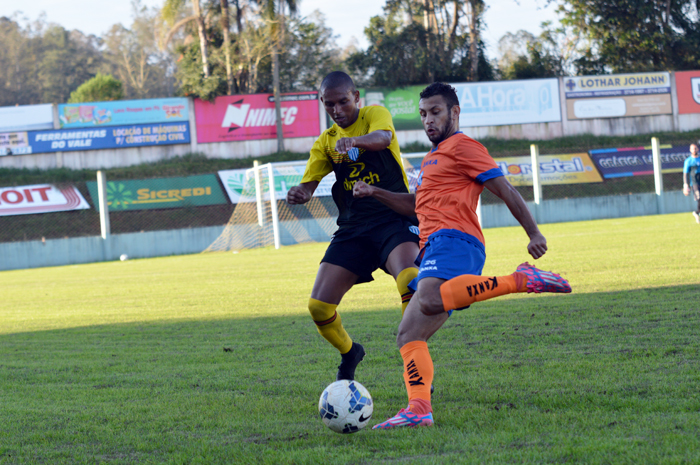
(499, 103)
(240, 184)
(618, 95)
(14, 143)
(26, 118)
(40, 198)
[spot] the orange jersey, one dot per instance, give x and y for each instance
(451, 179)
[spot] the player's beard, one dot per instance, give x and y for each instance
(436, 139)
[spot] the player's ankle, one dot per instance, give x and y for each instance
(520, 281)
(420, 406)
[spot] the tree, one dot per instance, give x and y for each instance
(134, 57)
(427, 40)
(634, 35)
(19, 57)
(524, 56)
(43, 63)
(101, 88)
(275, 16)
(227, 43)
(174, 9)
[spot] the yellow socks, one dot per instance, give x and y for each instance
(464, 290)
(418, 376)
(402, 281)
(329, 325)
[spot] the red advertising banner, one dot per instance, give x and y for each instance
(251, 117)
(688, 90)
(40, 198)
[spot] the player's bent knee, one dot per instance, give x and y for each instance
(431, 303)
(321, 311)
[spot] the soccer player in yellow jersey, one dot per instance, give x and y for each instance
(360, 146)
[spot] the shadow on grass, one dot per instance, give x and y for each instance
(541, 378)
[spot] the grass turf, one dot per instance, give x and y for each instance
(212, 358)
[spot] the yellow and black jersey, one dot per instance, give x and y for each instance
(382, 168)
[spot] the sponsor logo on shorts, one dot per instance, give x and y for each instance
(414, 230)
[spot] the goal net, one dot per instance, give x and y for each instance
(258, 221)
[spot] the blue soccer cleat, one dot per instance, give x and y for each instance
(406, 418)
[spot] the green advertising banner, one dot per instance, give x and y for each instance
(401, 103)
(149, 194)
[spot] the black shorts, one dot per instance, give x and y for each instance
(364, 249)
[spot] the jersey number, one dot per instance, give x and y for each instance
(356, 169)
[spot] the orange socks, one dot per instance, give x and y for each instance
(462, 291)
(418, 376)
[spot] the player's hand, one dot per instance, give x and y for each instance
(297, 195)
(537, 246)
(686, 190)
(344, 144)
(361, 189)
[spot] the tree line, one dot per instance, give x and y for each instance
(207, 48)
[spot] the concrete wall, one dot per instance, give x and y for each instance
(591, 208)
(56, 252)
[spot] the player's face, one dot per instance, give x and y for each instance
(694, 150)
(341, 105)
(438, 120)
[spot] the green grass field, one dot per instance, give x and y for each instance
(213, 358)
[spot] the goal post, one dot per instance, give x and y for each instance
(263, 218)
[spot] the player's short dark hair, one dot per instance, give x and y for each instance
(445, 90)
(337, 79)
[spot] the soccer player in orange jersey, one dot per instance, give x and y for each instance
(453, 175)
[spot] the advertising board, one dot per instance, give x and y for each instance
(240, 183)
(64, 140)
(570, 168)
(14, 143)
(152, 194)
(40, 198)
(252, 117)
(501, 103)
(121, 112)
(638, 161)
(688, 91)
(401, 103)
(618, 95)
(26, 118)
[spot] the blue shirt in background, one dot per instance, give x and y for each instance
(691, 166)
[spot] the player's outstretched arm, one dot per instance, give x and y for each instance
(517, 206)
(302, 193)
(404, 204)
(374, 142)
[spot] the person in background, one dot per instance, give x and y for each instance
(691, 172)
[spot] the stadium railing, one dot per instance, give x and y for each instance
(253, 222)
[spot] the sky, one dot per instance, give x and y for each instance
(347, 19)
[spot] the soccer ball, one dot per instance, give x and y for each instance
(123, 257)
(345, 406)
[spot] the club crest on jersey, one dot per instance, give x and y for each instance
(353, 153)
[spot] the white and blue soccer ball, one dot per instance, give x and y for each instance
(345, 406)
